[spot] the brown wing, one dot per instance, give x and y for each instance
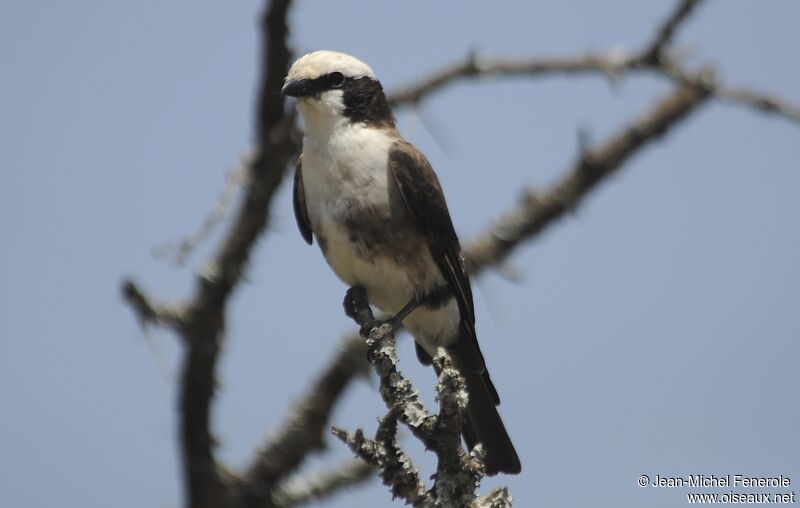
(299, 199)
(424, 199)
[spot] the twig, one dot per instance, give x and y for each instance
(765, 103)
(394, 467)
(664, 35)
(149, 313)
(475, 66)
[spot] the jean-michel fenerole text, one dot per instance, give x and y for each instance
(735, 480)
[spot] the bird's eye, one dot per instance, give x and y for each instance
(336, 79)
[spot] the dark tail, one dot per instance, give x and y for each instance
(483, 425)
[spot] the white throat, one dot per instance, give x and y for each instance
(322, 116)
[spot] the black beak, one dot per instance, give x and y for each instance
(297, 88)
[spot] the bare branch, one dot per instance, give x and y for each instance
(535, 212)
(665, 33)
(760, 101)
(315, 486)
(614, 63)
(475, 66)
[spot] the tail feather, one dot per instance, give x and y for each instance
(484, 425)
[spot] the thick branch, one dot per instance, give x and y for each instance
(202, 325)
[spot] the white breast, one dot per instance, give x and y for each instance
(349, 168)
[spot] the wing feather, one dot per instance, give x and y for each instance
(299, 201)
(424, 199)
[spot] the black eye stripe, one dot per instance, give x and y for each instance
(326, 82)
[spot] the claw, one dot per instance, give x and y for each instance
(349, 304)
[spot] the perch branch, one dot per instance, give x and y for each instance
(458, 473)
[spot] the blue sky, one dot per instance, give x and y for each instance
(655, 330)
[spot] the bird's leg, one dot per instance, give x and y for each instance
(356, 307)
(436, 298)
(398, 318)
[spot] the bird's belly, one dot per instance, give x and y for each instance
(388, 283)
(391, 278)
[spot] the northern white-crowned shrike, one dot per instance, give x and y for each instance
(378, 213)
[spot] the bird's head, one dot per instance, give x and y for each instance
(332, 87)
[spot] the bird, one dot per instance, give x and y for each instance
(377, 210)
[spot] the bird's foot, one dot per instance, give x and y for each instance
(354, 293)
(356, 307)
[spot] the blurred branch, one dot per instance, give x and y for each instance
(765, 103)
(654, 57)
(203, 324)
(535, 212)
(665, 33)
(475, 66)
(317, 486)
(149, 312)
